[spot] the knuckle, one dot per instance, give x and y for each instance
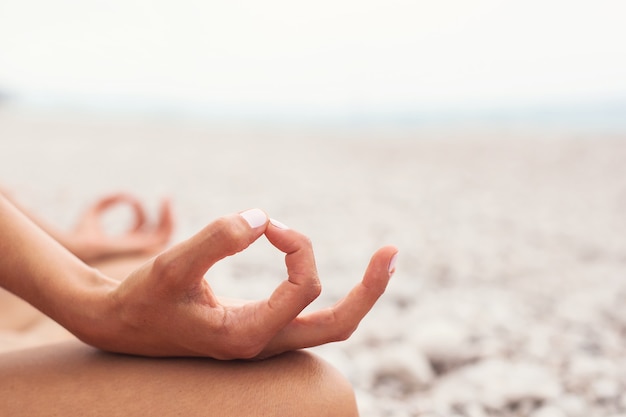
(309, 284)
(232, 236)
(343, 328)
(343, 334)
(315, 289)
(167, 267)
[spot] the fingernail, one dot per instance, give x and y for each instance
(255, 217)
(278, 224)
(392, 264)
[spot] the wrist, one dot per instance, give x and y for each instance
(87, 315)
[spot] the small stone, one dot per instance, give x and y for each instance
(605, 389)
(445, 343)
(585, 368)
(475, 410)
(572, 405)
(495, 383)
(398, 371)
(549, 411)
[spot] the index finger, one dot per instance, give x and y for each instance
(301, 287)
(340, 321)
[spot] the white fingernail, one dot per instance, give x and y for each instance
(254, 217)
(392, 264)
(278, 224)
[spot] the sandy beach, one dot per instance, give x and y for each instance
(510, 292)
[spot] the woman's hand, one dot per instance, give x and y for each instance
(90, 242)
(167, 308)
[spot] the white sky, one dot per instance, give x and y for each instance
(326, 54)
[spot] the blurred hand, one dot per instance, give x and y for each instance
(90, 242)
(167, 308)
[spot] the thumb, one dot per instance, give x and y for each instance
(189, 260)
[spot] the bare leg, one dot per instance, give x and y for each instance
(74, 379)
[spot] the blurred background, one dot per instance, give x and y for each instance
(486, 139)
(345, 61)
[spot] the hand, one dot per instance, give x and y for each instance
(90, 242)
(167, 308)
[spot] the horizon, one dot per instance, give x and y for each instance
(333, 61)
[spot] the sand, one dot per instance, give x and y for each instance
(509, 294)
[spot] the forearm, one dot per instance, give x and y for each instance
(37, 268)
(57, 234)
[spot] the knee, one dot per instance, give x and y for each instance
(324, 391)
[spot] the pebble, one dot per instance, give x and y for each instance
(445, 342)
(497, 383)
(572, 405)
(549, 411)
(605, 389)
(398, 371)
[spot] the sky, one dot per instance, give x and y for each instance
(320, 57)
